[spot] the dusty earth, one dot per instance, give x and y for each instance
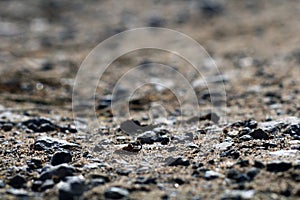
(251, 153)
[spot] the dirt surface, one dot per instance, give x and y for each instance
(250, 153)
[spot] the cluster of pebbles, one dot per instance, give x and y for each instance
(42, 159)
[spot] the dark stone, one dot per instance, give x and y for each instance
(171, 161)
(258, 164)
(133, 126)
(47, 185)
(210, 116)
(278, 166)
(145, 180)
(39, 125)
(251, 173)
(293, 130)
(17, 181)
(179, 181)
(211, 8)
(2, 184)
(48, 143)
(246, 138)
(7, 126)
(59, 171)
(231, 153)
(18, 192)
(210, 175)
(36, 185)
(164, 140)
(71, 188)
(148, 137)
(61, 157)
(156, 22)
(243, 163)
(104, 102)
(259, 134)
(123, 172)
(116, 193)
(238, 176)
(34, 163)
(68, 129)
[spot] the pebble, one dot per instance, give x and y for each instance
(17, 181)
(17, 192)
(210, 116)
(211, 7)
(284, 153)
(74, 186)
(49, 183)
(171, 161)
(293, 130)
(2, 184)
(278, 166)
(59, 171)
(210, 175)
(39, 125)
(259, 134)
(34, 163)
(238, 176)
(224, 146)
(246, 138)
(148, 137)
(49, 143)
(145, 180)
(61, 157)
(116, 193)
(238, 194)
(7, 126)
(258, 164)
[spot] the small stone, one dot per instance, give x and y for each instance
(48, 143)
(145, 180)
(148, 137)
(224, 146)
(17, 181)
(74, 186)
(116, 193)
(258, 164)
(2, 184)
(36, 185)
(246, 137)
(7, 126)
(210, 116)
(251, 173)
(39, 125)
(238, 194)
(238, 176)
(17, 192)
(49, 183)
(210, 175)
(278, 166)
(259, 134)
(61, 157)
(284, 153)
(59, 171)
(34, 163)
(171, 161)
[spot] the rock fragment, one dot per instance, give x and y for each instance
(61, 157)
(278, 166)
(259, 134)
(171, 161)
(116, 193)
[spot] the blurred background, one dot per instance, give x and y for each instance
(255, 44)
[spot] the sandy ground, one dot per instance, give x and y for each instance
(251, 153)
